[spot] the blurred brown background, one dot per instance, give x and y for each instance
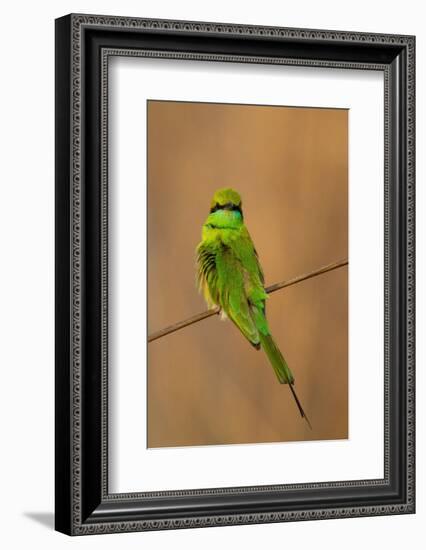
(206, 384)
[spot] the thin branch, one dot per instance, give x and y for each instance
(269, 290)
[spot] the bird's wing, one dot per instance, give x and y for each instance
(254, 280)
(207, 273)
(231, 282)
(258, 266)
(230, 276)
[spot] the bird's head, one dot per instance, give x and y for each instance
(226, 199)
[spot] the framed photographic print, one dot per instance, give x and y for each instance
(234, 274)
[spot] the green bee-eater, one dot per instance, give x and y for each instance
(230, 276)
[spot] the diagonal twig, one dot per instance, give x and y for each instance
(269, 290)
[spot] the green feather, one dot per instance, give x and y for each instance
(278, 362)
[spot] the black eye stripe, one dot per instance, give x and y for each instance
(227, 206)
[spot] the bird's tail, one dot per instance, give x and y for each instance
(281, 369)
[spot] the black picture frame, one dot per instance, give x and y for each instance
(83, 45)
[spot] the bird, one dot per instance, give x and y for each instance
(229, 275)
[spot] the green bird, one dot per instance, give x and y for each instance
(230, 276)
